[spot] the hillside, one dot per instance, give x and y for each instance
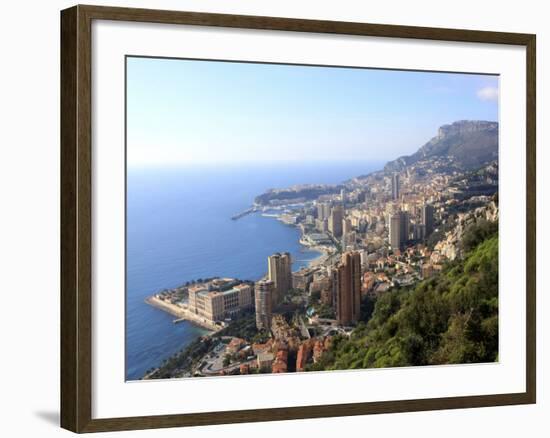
(470, 144)
(450, 318)
(296, 194)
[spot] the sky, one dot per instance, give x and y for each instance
(183, 112)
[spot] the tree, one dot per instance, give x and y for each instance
(367, 308)
(477, 233)
(226, 360)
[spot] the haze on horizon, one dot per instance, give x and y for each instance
(193, 112)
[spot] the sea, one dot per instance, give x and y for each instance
(179, 228)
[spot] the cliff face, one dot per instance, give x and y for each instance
(451, 245)
(469, 143)
(464, 127)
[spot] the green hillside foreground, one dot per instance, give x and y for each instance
(451, 318)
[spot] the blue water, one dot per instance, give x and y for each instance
(179, 229)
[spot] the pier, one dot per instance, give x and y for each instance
(243, 213)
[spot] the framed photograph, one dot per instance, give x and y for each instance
(271, 218)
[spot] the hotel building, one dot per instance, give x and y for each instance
(215, 305)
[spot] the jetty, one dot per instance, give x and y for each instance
(243, 213)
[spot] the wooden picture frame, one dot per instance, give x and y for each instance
(76, 217)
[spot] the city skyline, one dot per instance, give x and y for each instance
(283, 113)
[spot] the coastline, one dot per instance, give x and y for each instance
(181, 314)
(323, 254)
(321, 259)
(143, 338)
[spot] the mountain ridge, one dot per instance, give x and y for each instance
(470, 143)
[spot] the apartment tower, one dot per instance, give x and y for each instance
(280, 273)
(347, 288)
(335, 221)
(263, 292)
(428, 218)
(395, 186)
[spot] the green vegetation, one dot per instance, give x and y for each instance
(325, 311)
(185, 360)
(226, 360)
(320, 309)
(450, 318)
(477, 234)
(367, 308)
(245, 328)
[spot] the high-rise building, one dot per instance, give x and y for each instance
(395, 186)
(394, 232)
(428, 218)
(399, 224)
(335, 221)
(321, 225)
(419, 232)
(323, 210)
(343, 195)
(264, 290)
(280, 273)
(347, 278)
(404, 222)
(349, 239)
(333, 284)
(346, 226)
(327, 207)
